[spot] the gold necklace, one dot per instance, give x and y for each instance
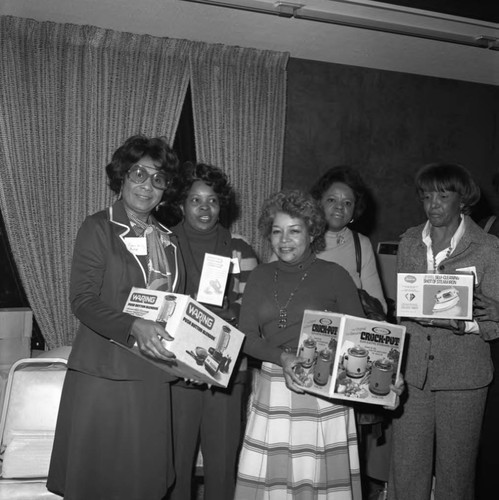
(340, 236)
(283, 310)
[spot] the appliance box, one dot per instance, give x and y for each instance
(206, 347)
(445, 296)
(350, 358)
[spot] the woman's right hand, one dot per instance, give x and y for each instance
(289, 362)
(456, 325)
(148, 335)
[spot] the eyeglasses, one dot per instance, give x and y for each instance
(138, 174)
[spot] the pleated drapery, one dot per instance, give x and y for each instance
(239, 106)
(70, 95)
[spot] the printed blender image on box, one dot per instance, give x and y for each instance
(214, 360)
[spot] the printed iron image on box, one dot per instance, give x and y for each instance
(206, 347)
(446, 296)
(350, 358)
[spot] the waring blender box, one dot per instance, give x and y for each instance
(445, 296)
(206, 347)
(350, 358)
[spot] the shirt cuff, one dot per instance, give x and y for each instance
(471, 327)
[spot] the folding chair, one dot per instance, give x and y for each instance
(27, 425)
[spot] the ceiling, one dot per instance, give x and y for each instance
(363, 33)
(472, 9)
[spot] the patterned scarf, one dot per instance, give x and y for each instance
(160, 276)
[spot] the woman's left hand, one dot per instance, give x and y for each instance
(485, 308)
(398, 388)
(289, 362)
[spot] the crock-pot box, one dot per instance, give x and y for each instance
(345, 357)
(446, 296)
(206, 347)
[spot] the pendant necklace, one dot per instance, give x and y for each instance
(283, 310)
(340, 236)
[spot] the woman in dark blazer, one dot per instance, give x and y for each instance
(113, 435)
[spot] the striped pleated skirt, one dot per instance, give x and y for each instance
(296, 446)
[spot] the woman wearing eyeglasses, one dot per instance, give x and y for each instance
(113, 436)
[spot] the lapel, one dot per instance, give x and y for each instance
(469, 236)
(472, 234)
(121, 225)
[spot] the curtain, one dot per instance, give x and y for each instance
(239, 99)
(70, 95)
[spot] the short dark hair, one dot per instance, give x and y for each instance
(449, 177)
(212, 176)
(135, 148)
(299, 205)
(347, 175)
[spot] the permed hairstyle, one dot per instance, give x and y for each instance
(298, 205)
(135, 148)
(449, 177)
(212, 176)
(347, 175)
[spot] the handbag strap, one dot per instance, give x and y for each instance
(489, 223)
(358, 253)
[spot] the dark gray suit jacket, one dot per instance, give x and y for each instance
(102, 274)
(454, 361)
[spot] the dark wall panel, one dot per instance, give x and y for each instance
(387, 125)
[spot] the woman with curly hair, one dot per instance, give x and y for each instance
(211, 416)
(113, 438)
(342, 193)
(296, 445)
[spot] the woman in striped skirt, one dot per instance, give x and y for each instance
(296, 445)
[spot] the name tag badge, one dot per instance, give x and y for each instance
(136, 245)
(471, 270)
